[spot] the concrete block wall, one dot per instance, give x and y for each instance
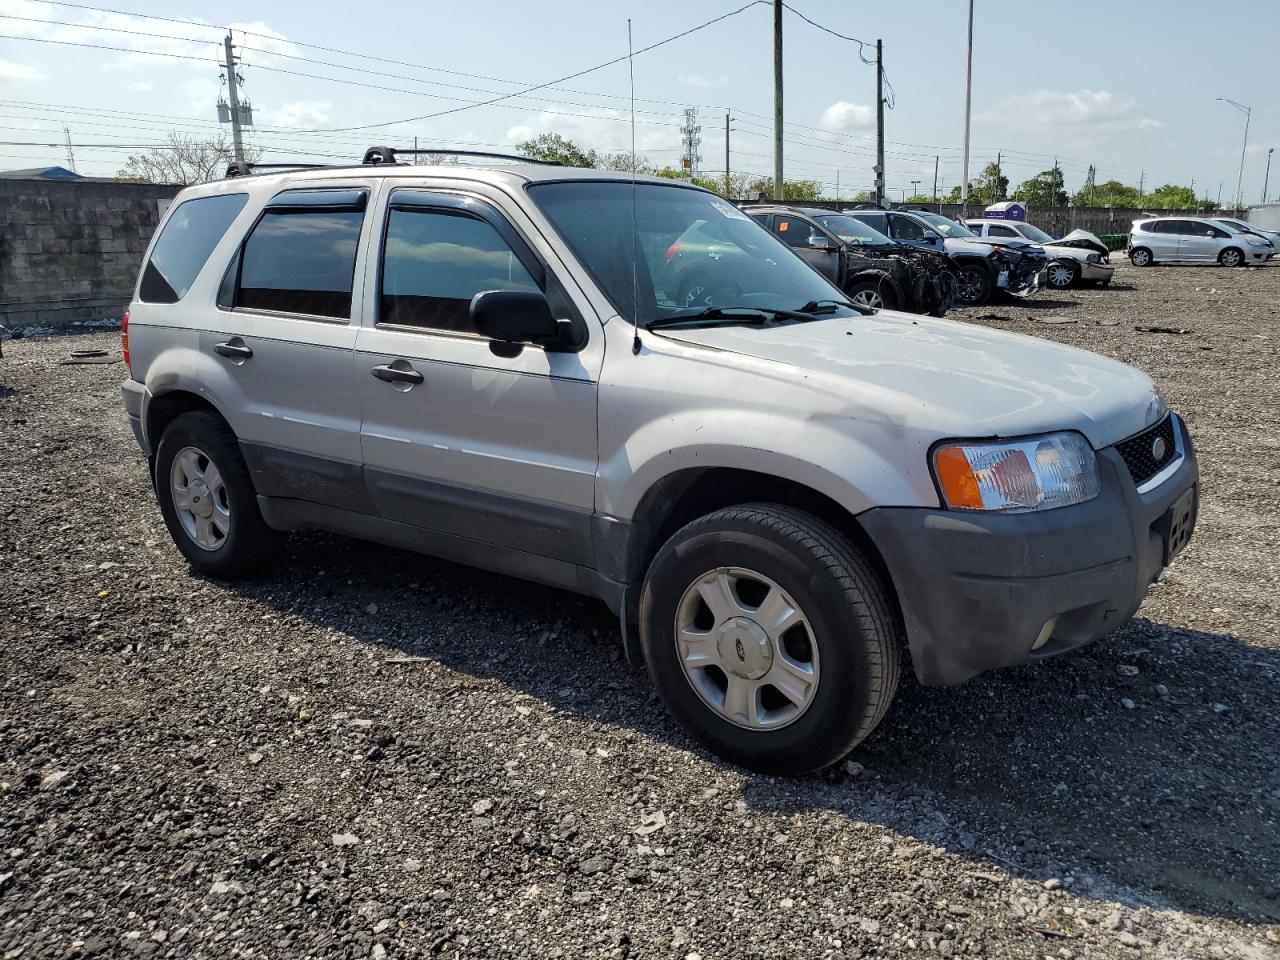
(70, 251)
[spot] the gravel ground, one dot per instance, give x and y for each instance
(375, 754)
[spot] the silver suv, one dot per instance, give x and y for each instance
(777, 490)
(1187, 240)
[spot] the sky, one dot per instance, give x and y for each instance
(1118, 85)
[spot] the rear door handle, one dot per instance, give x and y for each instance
(396, 375)
(233, 348)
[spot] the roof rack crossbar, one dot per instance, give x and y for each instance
(376, 155)
(243, 168)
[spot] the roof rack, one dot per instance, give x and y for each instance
(244, 168)
(377, 155)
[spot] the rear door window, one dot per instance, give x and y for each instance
(185, 243)
(995, 230)
(301, 256)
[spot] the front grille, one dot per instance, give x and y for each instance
(1137, 453)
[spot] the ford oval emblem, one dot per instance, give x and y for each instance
(740, 650)
(1158, 448)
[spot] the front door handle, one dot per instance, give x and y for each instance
(395, 374)
(233, 348)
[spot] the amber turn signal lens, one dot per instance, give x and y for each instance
(955, 476)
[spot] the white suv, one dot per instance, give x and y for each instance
(783, 490)
(1187, 240)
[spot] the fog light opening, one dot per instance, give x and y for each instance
(1045, 633)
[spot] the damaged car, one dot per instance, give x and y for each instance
(984, 267)
(869, 267)
(1079, 257)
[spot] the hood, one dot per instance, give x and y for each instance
(971, 245)
(950, 378)
(1081, 238)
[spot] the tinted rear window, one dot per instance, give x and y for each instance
(299, 261)
(188, 238)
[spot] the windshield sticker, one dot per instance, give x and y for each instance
(729, 210)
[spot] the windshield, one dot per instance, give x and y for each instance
(693, 250)
(853, 231)
(1035, 233)
(1231, 226)
(948, 228)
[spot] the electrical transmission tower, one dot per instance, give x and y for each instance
(691, 140)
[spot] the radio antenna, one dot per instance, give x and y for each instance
(635, 239)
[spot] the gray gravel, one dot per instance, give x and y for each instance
(375, 754)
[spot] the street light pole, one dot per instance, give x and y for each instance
(1248, 115)
(1266, 177)
(968, 92)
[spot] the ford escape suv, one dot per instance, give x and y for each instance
(778, 491)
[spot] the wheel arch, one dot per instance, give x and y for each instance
(166, 406)
(878, 276)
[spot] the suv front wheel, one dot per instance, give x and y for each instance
(769, 637)
(208, 500)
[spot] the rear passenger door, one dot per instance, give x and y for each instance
(1163, 239)
(490, 449)
(285, 338)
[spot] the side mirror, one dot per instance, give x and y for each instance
(512, 318)
(818, 242)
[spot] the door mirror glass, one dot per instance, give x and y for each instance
(819, 242)
(514, 318)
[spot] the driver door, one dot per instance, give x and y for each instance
(811, 244)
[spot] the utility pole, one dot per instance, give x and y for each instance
(1219, 204)
(726, 155)
(778, 192)
(838, 186)
(71, 156)
(233, 99)
(879, 197)
(999, 158)
(1248, 115)
(1142, 182)
(1266, 177)
(968, 96)
(935, 178)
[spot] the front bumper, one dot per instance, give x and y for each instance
(978, 590)
(1260, 254)
(1096, 272)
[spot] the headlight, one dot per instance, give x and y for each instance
(1259, 243)
(1157, 408)
(1093, 258)
(1040, 473)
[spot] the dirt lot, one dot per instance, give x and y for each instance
(375, 754)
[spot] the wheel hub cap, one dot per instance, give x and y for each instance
(201, 500)
(744, 648)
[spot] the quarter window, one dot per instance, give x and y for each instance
(184, 245)
(300, 260)
(436, 261)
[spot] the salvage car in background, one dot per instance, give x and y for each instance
(1193, 240)
(984, 267)
(873, 270)
(1079, 257)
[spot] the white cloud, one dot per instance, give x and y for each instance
(299, 113)
(1148, 123)
(18, 71)
(1078, 109)
(701, 81)
(843, 115)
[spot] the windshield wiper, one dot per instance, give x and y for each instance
(816, 307)
(763, 316)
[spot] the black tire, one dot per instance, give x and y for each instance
(1062, 274)
(1231, 257)
(1141, 257)
(974, 285)
(846, 606)
(872, 288)
(249, 546)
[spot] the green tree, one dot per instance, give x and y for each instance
(1172, 197)
(558, 149)
(1045, 189)
(1113, 193)
(990, 186)
(920, 198)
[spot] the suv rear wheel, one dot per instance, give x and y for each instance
(769, 638)
(876, 294)
(208, 501)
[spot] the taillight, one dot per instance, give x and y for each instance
(673, 251)
(124, 341)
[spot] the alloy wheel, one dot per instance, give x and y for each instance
(747, 648)
(1060, 276)
(200, 498)
(868, 298)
